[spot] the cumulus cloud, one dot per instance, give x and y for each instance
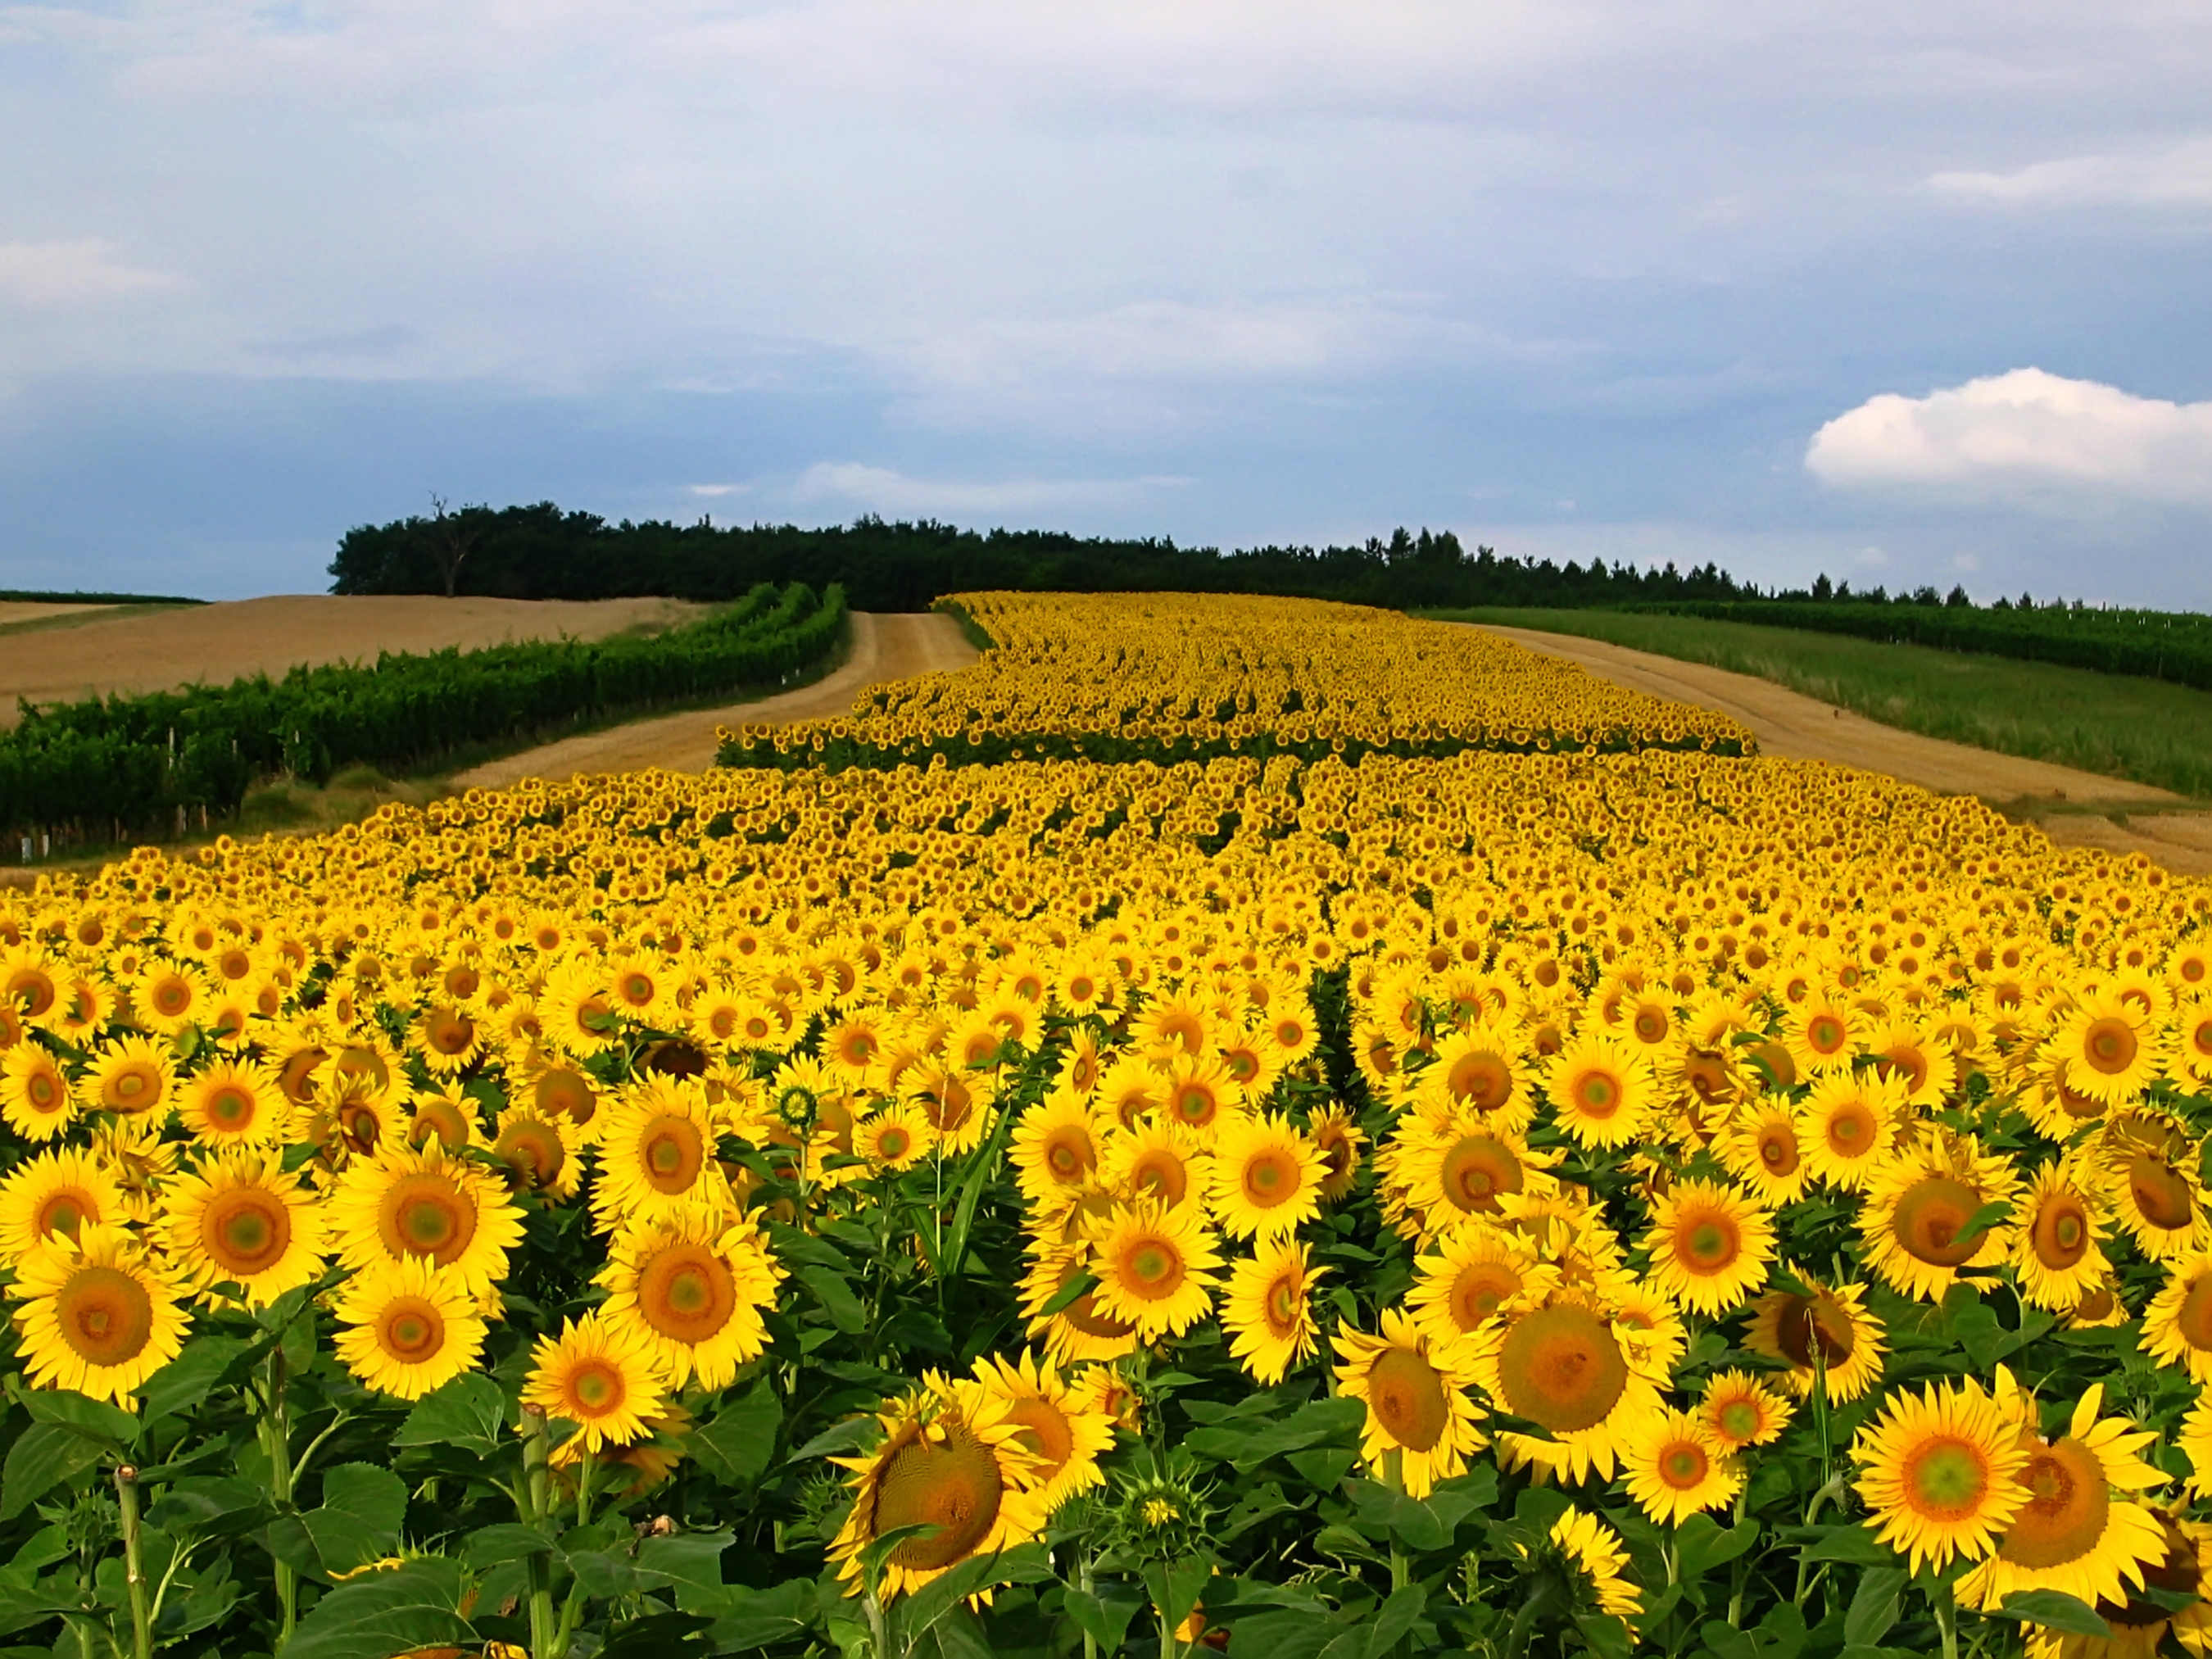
(2181, 176)
(2039, 438)
(69, 273)
(880, 489)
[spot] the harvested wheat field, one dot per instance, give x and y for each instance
(216, 643)
(13, 611)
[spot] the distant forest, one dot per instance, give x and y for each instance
(541, 552)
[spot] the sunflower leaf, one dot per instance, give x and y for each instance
(2055, 1610)
(737, 1444)
(43, 1456)
(1874, 1606)
(470, 1412)
(416, 1606)
(187, 1380)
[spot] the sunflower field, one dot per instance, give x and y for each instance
(940, 1191)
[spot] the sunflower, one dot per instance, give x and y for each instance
(951, 1458)
(2108, 1048)
(1593, 1552)
(1918, 1224)
(2077, 1534)
(1418, 1415)
(1054, 1151)
(450, 1120)
(1081, 1330)
(53, 1195)
(956, 1103)
(1454, 1173)
(895, 1136)
(2177, 1327)
(1338, 1139)
(600, 1374)
(695, 1284)
(1826, 1337)
(130, 1075)
(2058, 1248)
(1940, 1472)
(1474, 1272)
(1155, 1269)
(1560, 1359)
(578, 1009)
(407, 1326)
(99, 1314)
(1603, 1092)
(1710, 1247)
(36, 1100)
(1739, 1410)
(1265, 1177)
(233, 1103)
(1480, 1072)
(1759, 1148)
(1850, 1122)
(1201, 1097)
(1823, 1032)
(1267, 1309)
(562, 1091)
(1157, 1161)
(168, 996)
(411, 1203)
(2149, 1167)
(657, 1153)
(1059, 1425)
(1675, 1471)
(242, 1220)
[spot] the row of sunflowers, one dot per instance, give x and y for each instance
(1506, 1203)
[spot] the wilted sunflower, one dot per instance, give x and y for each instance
(1265, 1177)
(1674, 1470)
(1061, 1426)
(1602, 1093)
(694, 1284)
(1739, 1410)
(2057, 1248)
(240, 1219)
(1826, 1337)
(1710, 1247)
(54, 1195)
(1419, 1415)
(2078, 1533)
(1267, 1310)
(99, 1314)
(951, 1458)
(1940, 1471)
(600, 1375)
(423, 1202)
(233, 1103)
(408, 1326)
(1559, 1359)
(1155, 1269)
(1925, 1215)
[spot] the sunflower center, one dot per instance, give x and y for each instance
(105, 1316)
(1284, 1305)
(1068, 1156)
(1483, 1080)
(2193, 1319)
(1946, 1478)
(1479, 1290)
(1407, 1398)
(1850, 1129)
(1087, 1316)
(130, 1086)
(595, 1388)
(246, 1232)
(1707, 1244)
(46, 1091)
(1777, 1149)
(2060, 1236)
(231, 1107)
(411, 1330)
(428, 1215)
(687, 1292)
(1152, 1268)
(948, 1105)
(892, 1142)
(451, 1034)
(1682, 1465)
(1931, 1216)
(1475, 1172)
(1803, 1318)
(2068, 1503)
(1160, 1173)
(533, 1151)
(956, 1487)
(1562, 1368)
(565, 1093)
(1597, 1094)
(1271, 1178)
(2110, 1046)
(1195, 1105)
(671, 1152)
(1044, 1429)
(1738, 1420)
(2160, 1192)
(65, 1211)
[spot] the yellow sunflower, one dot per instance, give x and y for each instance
(1158, 1161)
(2078, 1533)
(1603, 1092)
(1940, 1472)
(1267, 1310)
(2177, 1327)
(1826, 1338)
(1823, 1032)
(1674, 1470)
(1918, 1224)
(1338, 1139)
(1848, 1124)
(1062, 1426)
(2058, 1248)
(600, 1375)
(36, 1100)
(1474, 1272)
(448, 1119)
(1419, 1417)
(695, 1284)
(242, 1220)
(1739, 1410)
(1710, 1247)
(1560, 1359)
(1597, 1556)
(407, 1326)
(895, 1136)
(1265, 1177)
(657, 1154)
(2107, 1048)
(538, 1154)
(1082, 1330)
(234, 1102)
(2149, 1166)
(1454, 1173)
(406, 1201)
(1759, 1148)
(53, 1195)
(99, 1314)
(1055, 1150)
(1201, 1095)
(951, 1458)
(130, 1075)
(1155, 1269)
(1480, 1072)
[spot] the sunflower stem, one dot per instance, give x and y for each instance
(1947, 1618)
(276, 1442)
(1394, 1476)
(538, 1490)
(133, 1569)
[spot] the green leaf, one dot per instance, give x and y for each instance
(754, 1619)
(1874, 1606)
(24, 1605)
(1852, 1543)
(852, 1433)
(1395, 1617)
(1104, 1622)
(1280, 1636)
(836, 1298)
(373, 1495)
(207, 1507)
(112, 1427)
(470, 1412)
(1702, 1544)
(737, 1444)
(185, 1381)
(1982, 1220)
(1176, 1586)
(690, 1562)
(416, 1606)
(1069, 1294)
(43, 1456)
(2055, 1610)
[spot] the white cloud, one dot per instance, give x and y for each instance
(69, 273)
(880, 489)
(714, 490)
(2181, 176)
(2036, 439)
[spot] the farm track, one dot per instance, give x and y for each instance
(216, 643)
(1790, 726)
(885, 647)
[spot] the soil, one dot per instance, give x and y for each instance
(215, 643)
(885, 647)
(2073, 808)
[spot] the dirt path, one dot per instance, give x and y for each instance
(216, 643)
(1793, 726)
(885, 647)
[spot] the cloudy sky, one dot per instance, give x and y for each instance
(1904, 292)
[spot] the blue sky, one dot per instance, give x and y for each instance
(1904, 292)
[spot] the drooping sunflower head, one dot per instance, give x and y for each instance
(2149, 1171)
(1419, 1415)
(1268, 1310)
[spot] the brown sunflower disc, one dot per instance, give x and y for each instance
(1068, 1154)
(2069, 1504)
(1777, 1149)
(1480, 1289)
(956, 1487)
(2161, 1194)
(563, 1092)
(2193, 1319)
(1285, 1307)
(427, 1215)
(1476, 1171)
(2061, 1235)
(1801, 1317)
(105, 1316)
(1482, 1079)
(686, 1292)
(1269, 1179)
(246, 1232)
(1946, 1478)
(1682, 1464)
(1160, 1172)
(1562, 1368)
(1406, 1395)
(2109, 1046)
(410, 1329)
(671, 1153)
(1151, 1268)
(531, 1151)
(64, 1212)
(1044, 1430)
(1930, 1215)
